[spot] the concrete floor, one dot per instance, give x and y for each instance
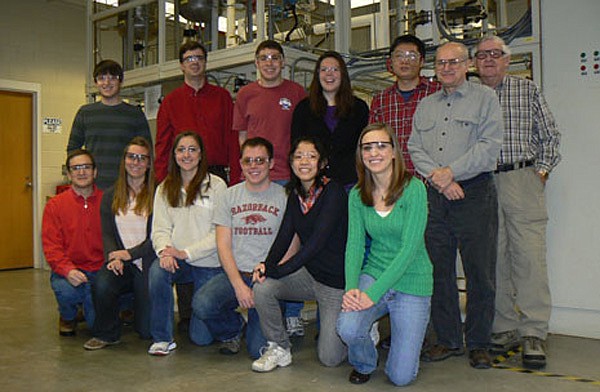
(35, 358)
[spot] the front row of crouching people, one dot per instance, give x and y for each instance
(249, 247)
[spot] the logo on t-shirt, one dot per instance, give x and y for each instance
(285, 103)
(253, 219)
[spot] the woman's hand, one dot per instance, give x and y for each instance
(174, 252)
(355, 300)
(123, 255)
(116, 266)
(258, 275)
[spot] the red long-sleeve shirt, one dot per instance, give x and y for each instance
(72, 233)
(209, 113)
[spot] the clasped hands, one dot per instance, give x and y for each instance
(442, 179)
(355, 300)
(169, 256)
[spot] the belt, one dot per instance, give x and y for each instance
(514, 166)
(246, 274)
(473, 180)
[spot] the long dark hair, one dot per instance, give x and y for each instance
(343, 97)
(145, 198)
(294, 184)
(173, 183)
(400, 176)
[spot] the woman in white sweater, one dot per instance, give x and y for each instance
(183, 234)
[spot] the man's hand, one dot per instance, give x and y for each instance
(441, 178)
(245, 296)
(454, 192)
(116, 266)
(76, 277)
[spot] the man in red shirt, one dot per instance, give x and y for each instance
(72, 241)
(202, 108)
(396, 105)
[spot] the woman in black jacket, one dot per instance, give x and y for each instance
(126, 214)
(334, 115)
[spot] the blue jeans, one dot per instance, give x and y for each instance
(214, 305)
(469, 225)
(161, 295)
(70, 297)
(409, 315)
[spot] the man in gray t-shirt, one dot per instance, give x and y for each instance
(247, 220)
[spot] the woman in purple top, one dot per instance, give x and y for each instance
(334, 115)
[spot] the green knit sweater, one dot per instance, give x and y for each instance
(398, 259)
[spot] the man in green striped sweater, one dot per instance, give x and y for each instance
(105, 127)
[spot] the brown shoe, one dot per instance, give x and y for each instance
(480, 359)
(439, 352)
(66, 327)
(97, 344)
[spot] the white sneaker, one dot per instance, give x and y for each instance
(273, 356)
(294, 326)
(162, 348)
(374, 333)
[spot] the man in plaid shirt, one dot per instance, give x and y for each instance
(396, 105)
(529, 153)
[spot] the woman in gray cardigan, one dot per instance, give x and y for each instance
(126, 214)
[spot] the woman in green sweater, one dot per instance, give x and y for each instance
(389, 206)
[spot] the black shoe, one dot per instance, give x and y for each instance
(358, 378)
(480, 359)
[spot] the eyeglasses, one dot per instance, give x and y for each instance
(191, 149)
(193, 58)
(137, 157)
(107, 78)
(407, 55)
(493, 53)
(84, 166)
(310, 156)
(371, 146)
(259, 161)
(452, 63)
(329, 69)
(263, 58)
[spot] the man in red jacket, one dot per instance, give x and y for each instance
(72, 241)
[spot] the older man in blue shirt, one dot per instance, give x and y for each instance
(455, 142)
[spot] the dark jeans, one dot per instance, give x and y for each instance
(469, 225)
(106, 291)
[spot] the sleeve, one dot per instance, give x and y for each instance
(333, 209)
(414, 221)
(77, 136)
(109, 227)
(143, 129)
(207, 245)
(282, 241)
(421, 159)
(546, 131)
(162, 224)
(375, 112)
(485, 151)
(298, 126)
(355, 245)
(53, 241)
(164, 139)
(232, 141)
(240, 123)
